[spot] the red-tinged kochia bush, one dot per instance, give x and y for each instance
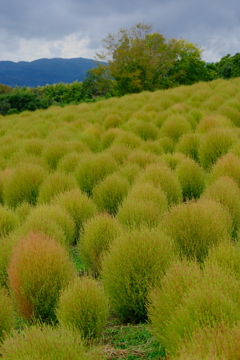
(84, 305)
(39, 269)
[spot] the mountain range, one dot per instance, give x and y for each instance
(44, 71)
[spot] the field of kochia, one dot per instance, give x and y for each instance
(123, 215)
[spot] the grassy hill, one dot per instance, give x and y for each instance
(142, 193)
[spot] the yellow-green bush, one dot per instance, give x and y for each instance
(162, 176)
(213, 121)
(7, 321)
(53, 151)
(70, 162)
(54, 184)
(220, 342)
(8, 221)
(226, 191)
(174, 127)
(41, 342)
(197, 226)
(93, 169)
(78, 205)
(97, 235)
(52, 220)
(191, 177)
(145, 130)
(39, 269)
(214, 145)
(227, 165)
(188, 144)
(165, 300)
(84, 306)
(23, 185)
(6, 245)
(136, 262)
(109, 193)
(210, 302)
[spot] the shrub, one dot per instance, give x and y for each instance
(188, 144)
(175, 126)
(197, 226)
(226, 191)
(84, 305)
(23, 185)
(230, 113)
(226, 256)
(165, 300)
(118, 152)
(112, 121)
(55, 184)
(39, 269)
(33, 146)
(212, 301)
(135, 263)
(69, 162)
(142, 158)
(162, 176)
(53, 151)
(227, 165)
(192, 179)
(145, 130)
(98, 233)
(148, 192)
(6, 245)
(93, 169)
(47, 219)
(79, 206)
(6, 314)
(213, 121)
(41, 342)
(129, 171)
(8, 221)
(215, 144)
(167, 144)
(135, 213)
(218, 342)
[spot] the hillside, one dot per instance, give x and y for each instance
(142, 194)
(43, 71)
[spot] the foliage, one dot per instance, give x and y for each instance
(8, 221)
(41, 342)
(6, 314)
(84, 305)
(135, 263)
(229, 66)
(197, 226)
(39, 268)
(97, 235)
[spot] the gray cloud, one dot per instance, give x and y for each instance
(30, 29)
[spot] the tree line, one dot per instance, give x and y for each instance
(133, 60)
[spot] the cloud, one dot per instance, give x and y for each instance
(32, 29)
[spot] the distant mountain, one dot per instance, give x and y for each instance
(44, 71)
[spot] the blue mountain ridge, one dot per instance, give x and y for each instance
(44, 71)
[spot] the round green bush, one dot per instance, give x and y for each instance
(54, 184)
(197, 226)
(7, 321)
(162, 176)
(39, 269)
(80, 207)
(135, 263)
(227, 165)
(226, 191)
(23, 185)
(175, 126)
(8, 221)
(93, 169)
(109, 193)
(188, 144)
(53, 151)
(84, 305)
(191, 177)
(41, 342)
(214, 145)
(51, 220)
(98, 233)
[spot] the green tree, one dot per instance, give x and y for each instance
(139, 59)
(229, 66)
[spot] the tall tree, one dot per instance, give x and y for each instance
(140, 59)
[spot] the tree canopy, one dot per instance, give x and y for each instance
(140, 59)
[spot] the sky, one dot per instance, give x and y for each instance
(31, 29)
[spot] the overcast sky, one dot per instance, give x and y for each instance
(34, 29)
